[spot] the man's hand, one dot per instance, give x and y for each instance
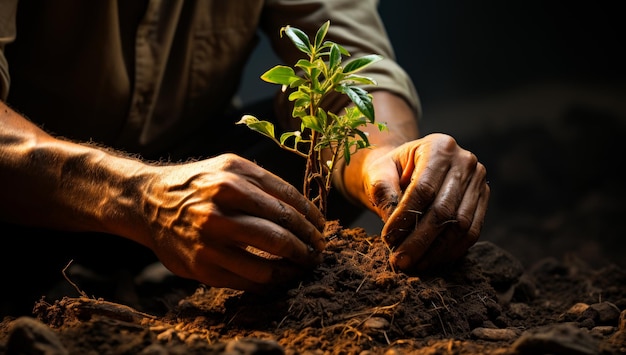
(209, 220)
(206, 217)
(432, 195)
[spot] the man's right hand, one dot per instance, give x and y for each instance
(204, 216)
(202, 219)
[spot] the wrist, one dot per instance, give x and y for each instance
(120, 183)
(352, 177)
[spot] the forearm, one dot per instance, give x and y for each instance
(402, 126)
(52, 183)
(400, 118)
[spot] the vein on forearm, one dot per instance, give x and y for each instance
(70, 186)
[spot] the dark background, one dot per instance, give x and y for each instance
(537, 90)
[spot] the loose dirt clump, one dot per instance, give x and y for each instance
(354, 303)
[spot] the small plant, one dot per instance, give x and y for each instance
(324, 137)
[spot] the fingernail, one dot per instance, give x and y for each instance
(402, 260)
(319, 258)
(319, 244)
(391, 238)
(314, 258)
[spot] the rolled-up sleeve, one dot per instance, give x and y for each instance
(354, 24)
(8, 10)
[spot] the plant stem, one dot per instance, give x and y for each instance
(313, 175)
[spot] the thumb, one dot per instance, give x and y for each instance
(388, 177)
(383, 189)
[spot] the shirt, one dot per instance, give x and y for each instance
(141, 75)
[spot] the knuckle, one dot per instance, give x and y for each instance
(471, 160)
(425, 191)
(464, 222)
(225, 188)
(474, 231)
(285, 218)
(443, 212)
(381, 197)
(289, 192)
(233, 162)
(278, 243)
(393, 237)
(470, 239)
(446, 142)
(486, 190)
(480, 170)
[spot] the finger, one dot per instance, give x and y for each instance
(282, 190)
(238, 270)
(444, 210)
(428, 177)
(215, 276)
(245, 230)
(470, 215)
(458, 237)
(481, 210)
(442, 250)
(417, 242)
(450, 246)
(382, 186)
(280, 213)
(453, 243)
(475, 197)
(275, 240)
(245, 197)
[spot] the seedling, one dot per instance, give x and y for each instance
(324, 137)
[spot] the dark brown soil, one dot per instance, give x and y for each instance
(545, 279)
(355, 303)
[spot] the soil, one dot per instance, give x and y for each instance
(546, 278)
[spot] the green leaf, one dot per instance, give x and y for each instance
(311, 122)
(299, 111)
(295, 95)
(280, 74)
(299, 38)
(356, 122)
(364, 142)
(303, 103)
(246, 119)
(346, 153)
(342, 49)
(321, 33)
(335, 57)
(361, 63)
(352, 113)
(287, 135)
(264, 127)
(304, 64)
(360, 79)
(315, 74)
(318, 75)
(322, 119)
(360, 98)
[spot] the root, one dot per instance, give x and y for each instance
(84, 308)
(81, 292)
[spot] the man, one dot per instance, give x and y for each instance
(82, 82)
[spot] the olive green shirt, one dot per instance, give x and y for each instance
(143, 74)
